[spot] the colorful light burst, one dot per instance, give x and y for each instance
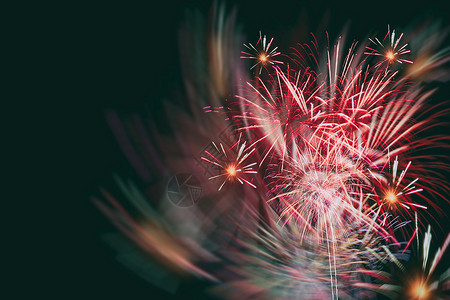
(233, 165)
(329, 215)
(389, 49)
(261, 53)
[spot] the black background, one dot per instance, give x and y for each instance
(125, 56)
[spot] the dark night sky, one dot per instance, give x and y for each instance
(124, 56)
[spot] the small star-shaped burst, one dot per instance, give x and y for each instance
(389, 49)
(262, 53)
(232, 162)
(393, 192)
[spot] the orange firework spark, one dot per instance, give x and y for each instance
(233, 166)
(262, 53)
(389, 49)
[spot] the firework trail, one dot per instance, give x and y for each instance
(326, 147)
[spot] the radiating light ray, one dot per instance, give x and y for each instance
(388, 48)
(234, 165)
(393, 192)
(262, 53)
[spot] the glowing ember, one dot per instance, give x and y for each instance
(390, 55)
(263, 58)
(391, 197)
(231, 170)
(420, 290)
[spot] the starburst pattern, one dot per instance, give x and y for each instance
(233, 166)
(261, 53)
(389, 48)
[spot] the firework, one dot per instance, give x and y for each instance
(232, 162)
(331, 211)
(261, 53)
(420, 278)
(389, 48)
(393, 193)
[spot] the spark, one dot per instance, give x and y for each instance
(390, 55)
(394, 192)
(231, 170)
(263, 58)
(232, 162)
(389, 48)
(262, 53)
